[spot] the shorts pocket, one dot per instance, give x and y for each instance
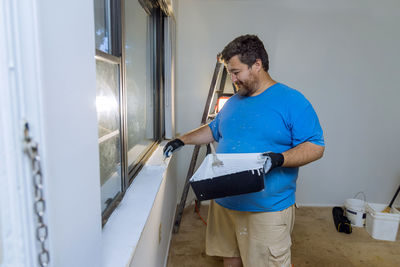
(279, 253)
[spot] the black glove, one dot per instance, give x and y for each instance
(272, 160)
(172, 146)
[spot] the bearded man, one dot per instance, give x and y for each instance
(254, 229)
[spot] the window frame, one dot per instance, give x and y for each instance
(157, 60)
(102, 56)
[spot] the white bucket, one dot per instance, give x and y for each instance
(382, 226)
(355, 211)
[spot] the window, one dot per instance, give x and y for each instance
(138, 81)
(102, 25)
(109, 126)
(129, 39)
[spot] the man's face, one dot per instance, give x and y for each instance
(242, 76)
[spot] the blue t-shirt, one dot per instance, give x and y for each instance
(276, 120)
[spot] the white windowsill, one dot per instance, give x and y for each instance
(123, 229)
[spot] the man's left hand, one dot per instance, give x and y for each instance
(272, 160)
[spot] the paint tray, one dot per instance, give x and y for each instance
(241, 173)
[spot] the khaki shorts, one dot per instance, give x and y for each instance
(259, 238)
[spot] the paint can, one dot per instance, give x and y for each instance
(355, 210)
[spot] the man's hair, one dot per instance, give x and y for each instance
(249, 48)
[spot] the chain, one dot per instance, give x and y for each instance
(31, 148)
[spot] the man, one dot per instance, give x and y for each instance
(254, 229)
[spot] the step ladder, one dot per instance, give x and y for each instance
(217, 91)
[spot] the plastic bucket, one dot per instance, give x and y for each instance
(382, 226)
(355, 211)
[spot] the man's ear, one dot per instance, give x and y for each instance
(257, 66)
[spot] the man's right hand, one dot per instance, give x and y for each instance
(172, 146)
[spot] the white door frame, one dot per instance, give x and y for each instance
(19, 101)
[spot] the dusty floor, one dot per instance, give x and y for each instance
(315, 243)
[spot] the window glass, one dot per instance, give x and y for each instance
(138, 85)
(129, 109)
(108, 116)
(102, 25)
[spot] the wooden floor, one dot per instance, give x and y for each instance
(315, 243)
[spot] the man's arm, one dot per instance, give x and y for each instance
(199, 136)
(302, 154)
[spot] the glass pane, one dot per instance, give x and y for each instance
(138, 81)
(108, 117)
(102, 25)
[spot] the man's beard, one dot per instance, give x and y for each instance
(245, 89)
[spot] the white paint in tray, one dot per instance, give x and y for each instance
(233, 163)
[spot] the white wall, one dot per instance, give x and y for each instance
(62, 99)
(50, 82)
(1, 247)
(343, 55)
(70, 127)
(152, 248)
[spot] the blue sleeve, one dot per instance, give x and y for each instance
(214, 126)
(305, 124)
